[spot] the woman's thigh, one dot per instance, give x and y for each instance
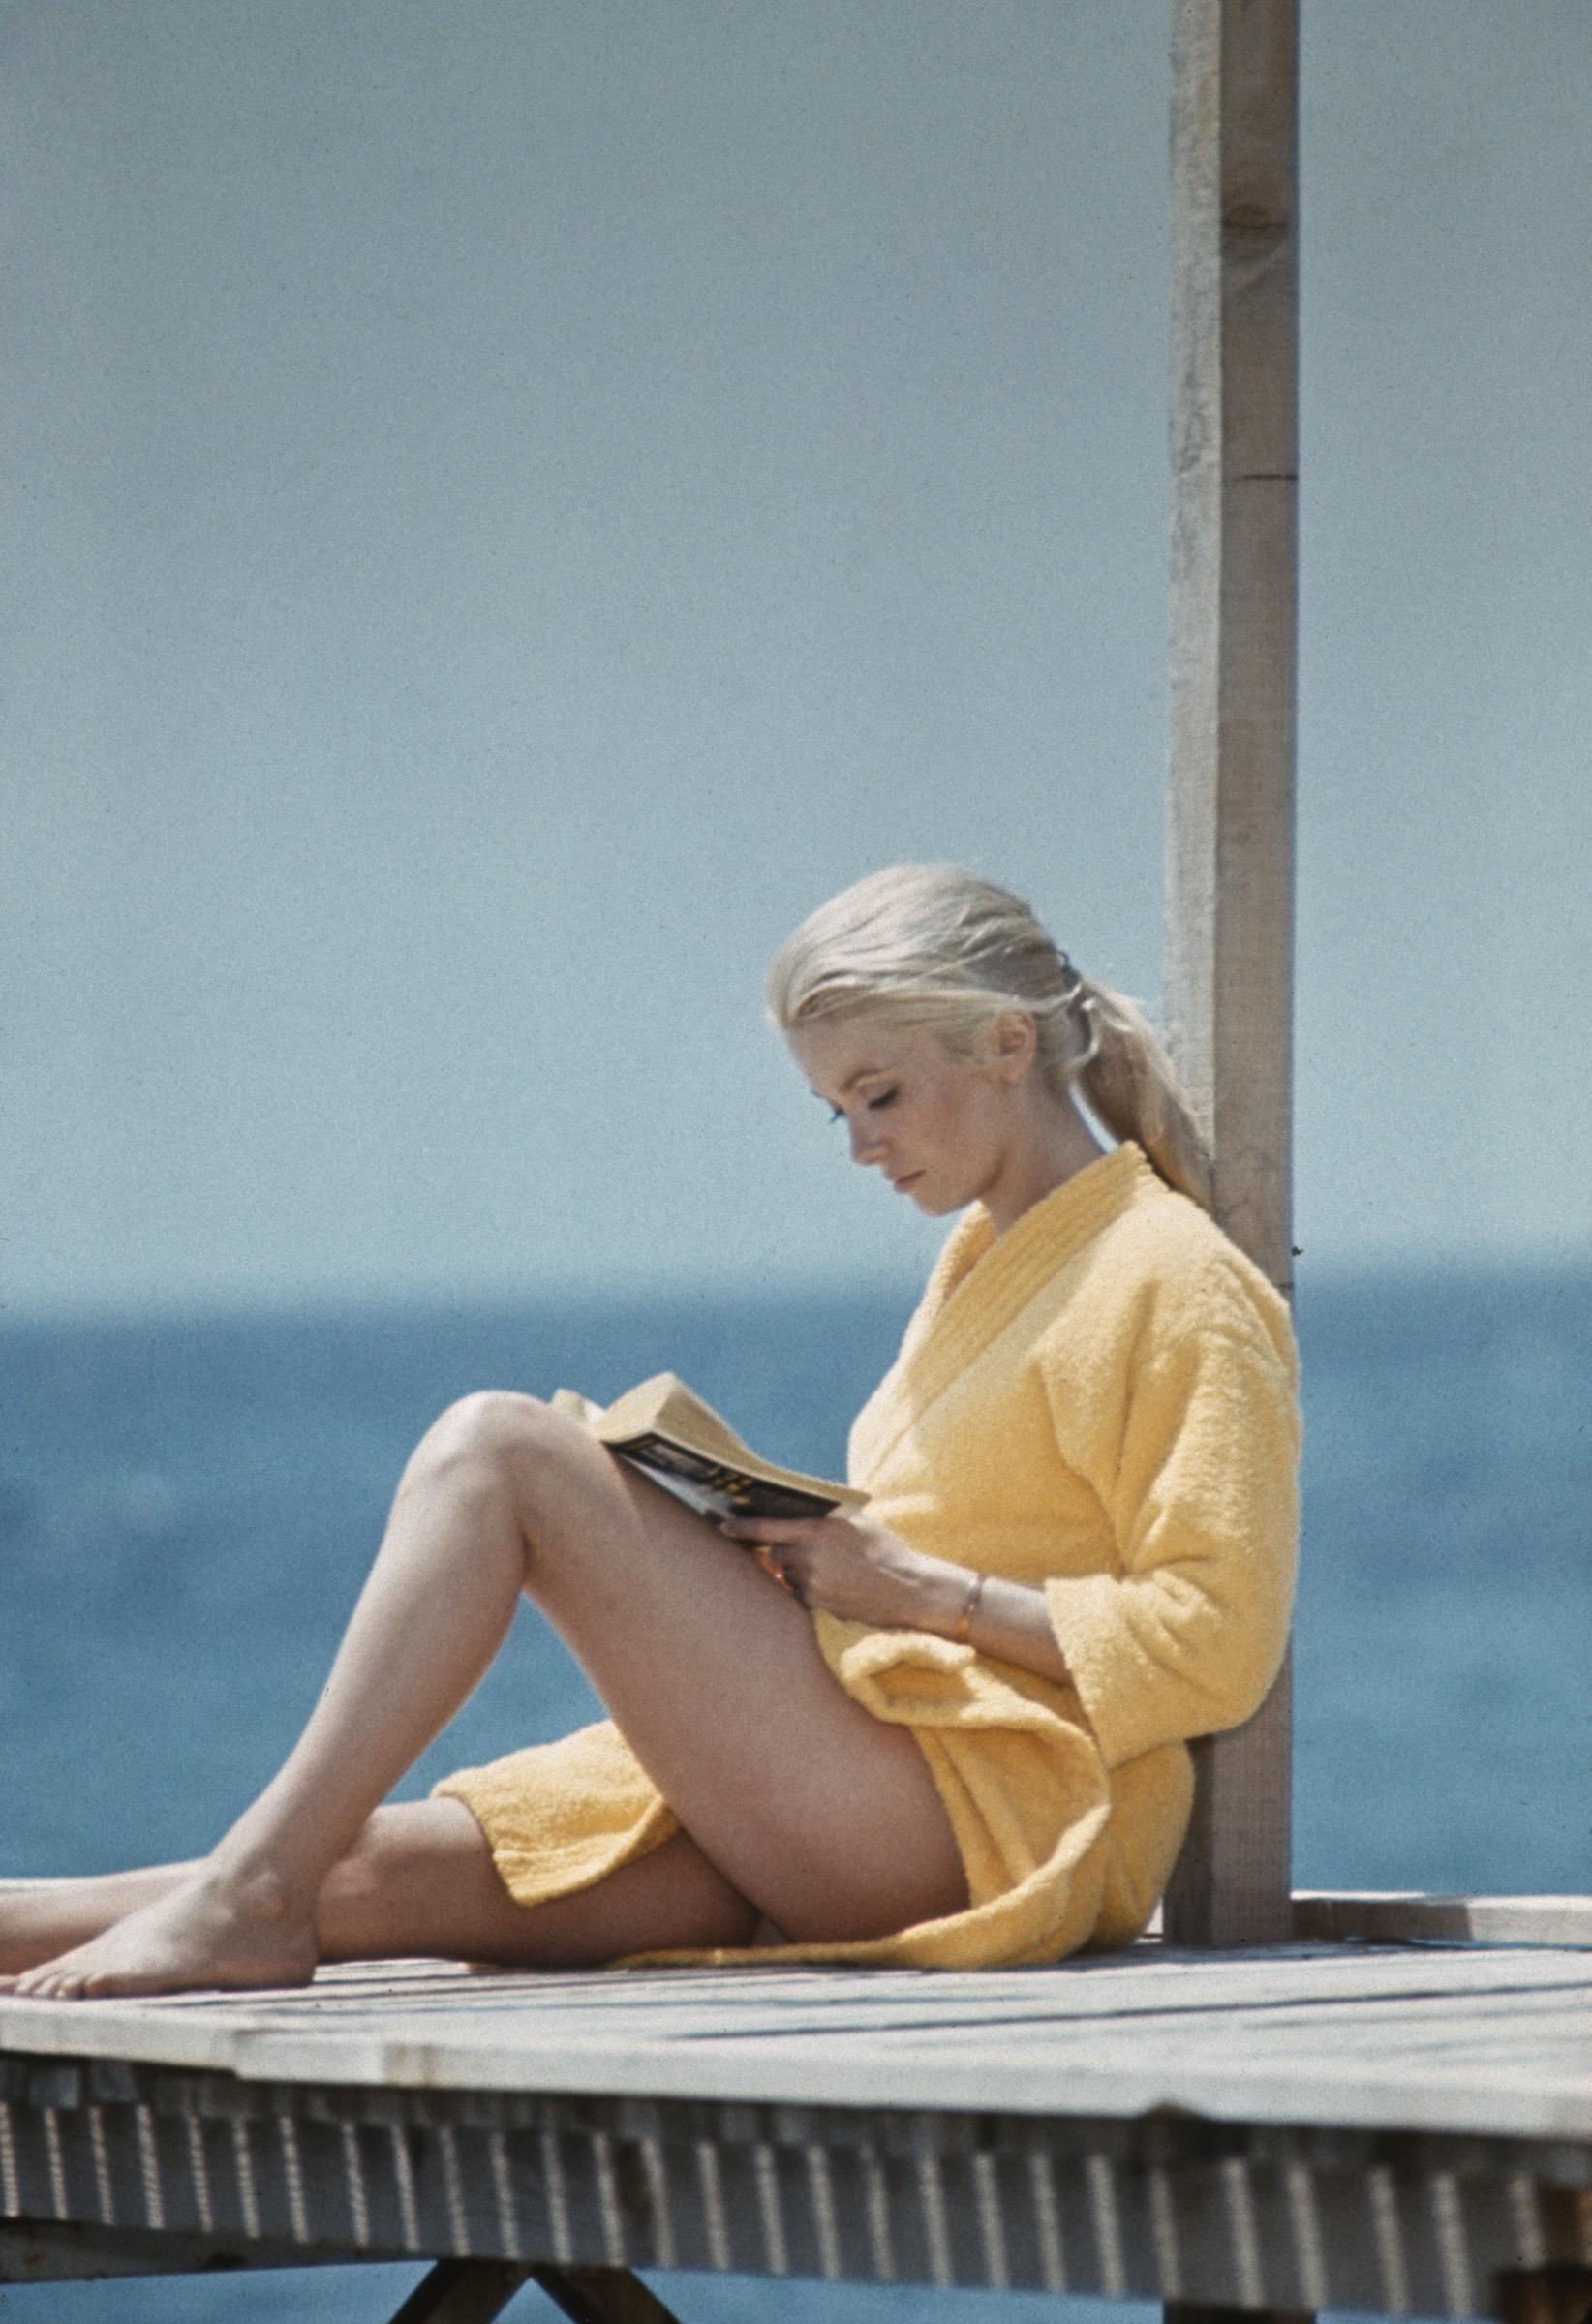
(824, 1817)
(422, 1880)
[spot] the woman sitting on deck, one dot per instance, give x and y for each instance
(947, 1730)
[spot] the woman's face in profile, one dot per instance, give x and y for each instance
(937, 1124)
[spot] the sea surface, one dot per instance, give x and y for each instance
(187, 1510)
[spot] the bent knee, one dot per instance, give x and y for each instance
(516, 1441)
(492, 1428)
(489, 1420)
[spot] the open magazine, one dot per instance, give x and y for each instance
(664, 1430)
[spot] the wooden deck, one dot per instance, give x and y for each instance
(1321, 2125)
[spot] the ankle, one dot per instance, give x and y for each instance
(253, 1885)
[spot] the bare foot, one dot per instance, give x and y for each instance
(217, 1931)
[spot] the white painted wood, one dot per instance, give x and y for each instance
(1470, 2039)
(1110, 2079)
(1230, 798)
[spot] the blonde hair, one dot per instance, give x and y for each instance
(932, 945)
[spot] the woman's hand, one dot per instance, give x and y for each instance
(855, 1567)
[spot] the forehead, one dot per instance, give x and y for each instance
(835, 1054)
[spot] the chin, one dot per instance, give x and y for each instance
(937, 1205)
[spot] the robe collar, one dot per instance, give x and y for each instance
(980, 1281)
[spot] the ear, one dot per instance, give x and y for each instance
(1013, 1045)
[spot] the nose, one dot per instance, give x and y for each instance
(864, 1141)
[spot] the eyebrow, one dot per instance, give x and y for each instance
(850, 1083)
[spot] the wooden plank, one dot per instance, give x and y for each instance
(1460, 2039)
(1229, 821)
(70, 2251)
(1109, 2078)
(869, 2002)
(1396, 1916)
(511, 2007)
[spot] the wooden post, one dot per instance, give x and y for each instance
(1230, 828)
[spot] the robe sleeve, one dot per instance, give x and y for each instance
(1186, 1635)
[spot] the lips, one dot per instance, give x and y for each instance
(911, 1178)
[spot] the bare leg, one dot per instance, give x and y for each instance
(421, 1880)
(433, 1612)
(814, 1811)
(41, 1919)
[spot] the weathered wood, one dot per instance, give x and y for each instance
(462, 2291)
(1452, 2040)
(603, 2296)
(1166, 2203)
(1396, 1916)
(1229, 825)
(1545, 2296)
(1191, 2312)
(84, 2252)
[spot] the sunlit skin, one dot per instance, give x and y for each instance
(820, 1822)
(947, 1128)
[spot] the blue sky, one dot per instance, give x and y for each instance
(518, 503)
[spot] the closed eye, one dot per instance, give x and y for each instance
(886, 1097)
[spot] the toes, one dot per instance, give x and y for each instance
(60, 1984)
(42, 1985)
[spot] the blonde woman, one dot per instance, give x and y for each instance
(947, 1730)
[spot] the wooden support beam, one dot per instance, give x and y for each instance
(603, 2296)
(1561, 2295)
(1193, 2312)
(463, 2291)
(1230, 829)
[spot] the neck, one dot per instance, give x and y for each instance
(1061, 1144)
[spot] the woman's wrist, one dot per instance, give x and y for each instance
(943, 1593)
(1008, 1619)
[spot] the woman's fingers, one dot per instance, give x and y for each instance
(836, 1564)
(765, 1529)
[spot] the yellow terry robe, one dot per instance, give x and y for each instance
(1100, 1402)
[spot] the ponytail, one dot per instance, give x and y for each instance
(1128, 1081)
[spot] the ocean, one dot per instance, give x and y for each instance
(187, 1510)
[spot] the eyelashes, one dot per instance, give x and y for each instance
(875, 1105)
